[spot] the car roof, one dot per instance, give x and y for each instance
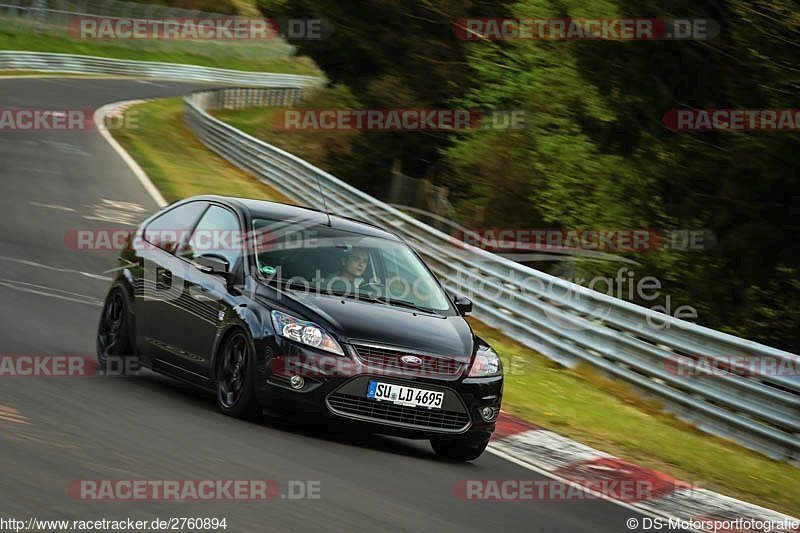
(281, 211)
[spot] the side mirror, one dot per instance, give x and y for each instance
(212, 264)
(463, 304)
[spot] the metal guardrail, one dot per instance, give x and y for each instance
(564, 321)
(48, 62)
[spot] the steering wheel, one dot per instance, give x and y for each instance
(371, 287)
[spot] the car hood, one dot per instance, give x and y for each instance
(359, 322)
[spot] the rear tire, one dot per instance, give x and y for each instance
(235, 394)
(115, 336)
(459, 449)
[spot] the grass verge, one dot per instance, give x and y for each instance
(578, 403)
(268, 56)
(260, 124)
(177, 163)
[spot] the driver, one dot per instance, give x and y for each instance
(350, 276)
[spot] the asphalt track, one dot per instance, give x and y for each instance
(150, 427)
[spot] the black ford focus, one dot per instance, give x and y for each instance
(294, 311)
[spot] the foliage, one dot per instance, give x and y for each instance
(595, 151)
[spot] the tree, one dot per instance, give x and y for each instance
(392, 54)
(598, 155)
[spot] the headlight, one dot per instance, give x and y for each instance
(487, 363)
(304, 332)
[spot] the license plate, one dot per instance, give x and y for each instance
(402, 395)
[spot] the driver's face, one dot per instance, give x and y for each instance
(356, 263)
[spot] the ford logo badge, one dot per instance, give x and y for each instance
(411, 360)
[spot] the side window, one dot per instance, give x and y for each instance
(170, 229)
(217, 233)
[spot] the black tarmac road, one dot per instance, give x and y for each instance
(55, 430)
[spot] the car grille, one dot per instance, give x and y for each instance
(419, 417)
(390, 359)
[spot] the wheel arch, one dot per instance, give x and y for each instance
(223, 337)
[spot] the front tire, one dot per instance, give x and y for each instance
(235, 394)
(459, 449)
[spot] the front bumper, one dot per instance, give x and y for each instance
(335, 388)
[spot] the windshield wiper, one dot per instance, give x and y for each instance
(354, 295)
(408, 304)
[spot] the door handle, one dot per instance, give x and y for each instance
(163, 278)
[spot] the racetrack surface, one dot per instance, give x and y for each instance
(151, 427)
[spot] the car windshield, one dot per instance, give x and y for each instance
(333, 261)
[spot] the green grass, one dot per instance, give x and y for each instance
(310, 145)
(578, 403)
(177, 163)
(247, 8)
(267, 56)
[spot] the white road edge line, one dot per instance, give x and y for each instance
(99, 120)
(57, 269)
(10, 284)
(499, 453)
(52, 206)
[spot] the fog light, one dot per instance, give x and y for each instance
(489, 413)
(297, 382)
